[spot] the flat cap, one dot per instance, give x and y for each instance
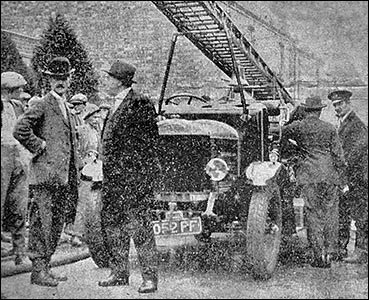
(11, 80)
(78, 99)
(339, 95)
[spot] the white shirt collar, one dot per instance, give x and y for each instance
(120, 97)
(57, 96)
(345, 116)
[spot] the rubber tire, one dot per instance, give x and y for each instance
(263, 259)
(207, 230)
(93, 236)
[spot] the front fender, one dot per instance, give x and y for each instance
(260, 173)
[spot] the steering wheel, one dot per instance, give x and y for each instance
(177, 99)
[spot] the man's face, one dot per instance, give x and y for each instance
(94, 120)
(59, 85)
(113, 86)
(78, 108)
(342, 108)
(15, 94)
(104, 112)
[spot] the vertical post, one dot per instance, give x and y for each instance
(262, 134)
(166, 75)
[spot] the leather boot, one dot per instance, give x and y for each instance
(43, 278)
(148, 286)
(114, 280)
(58, 277)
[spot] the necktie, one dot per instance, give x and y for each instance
(63, 108)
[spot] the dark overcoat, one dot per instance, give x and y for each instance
(130, 157)
(353, 134)
(324, 160)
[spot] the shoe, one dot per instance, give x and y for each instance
(148, 286)
(58, 277)
(76, 242)
(114, 280)
(340, 255)
(361, 258)
(43, 278)
(323, 262)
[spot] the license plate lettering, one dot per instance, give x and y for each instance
(183, 226)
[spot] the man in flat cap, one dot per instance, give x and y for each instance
(130, 170)
(353, 134)
(78, 105)
(319, 172)
(46, 130)
(14, 165)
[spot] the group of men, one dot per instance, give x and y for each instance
(331, 171)
(47, 129)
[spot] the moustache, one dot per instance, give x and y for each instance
(60, 86)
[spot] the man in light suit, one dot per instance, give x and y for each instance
(320, 173)
(14, 166)
(353, 134)
(46, 130)
(130, 169)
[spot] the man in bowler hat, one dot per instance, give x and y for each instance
(319, 173)
(130, 169)
(46, 130)
(353, 134)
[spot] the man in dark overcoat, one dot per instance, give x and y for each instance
(353, 134)
(130, 170)
(319, 173)
(46, 131)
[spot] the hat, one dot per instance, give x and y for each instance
(105, 106)
(313, 103)
(122, 71)
(10, 80)
(59, 66)
(338, 96)
(91, 113)
(78, 99)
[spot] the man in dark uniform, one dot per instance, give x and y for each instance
(46, 130)
(319, 171)
(353, 134)
(130, 169)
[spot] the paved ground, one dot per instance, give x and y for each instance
(199, 271)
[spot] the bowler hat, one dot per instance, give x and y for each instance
(78, 99)
(59, 66)
(10, 80)
(313, 103)
(339, 95)
(122, 71)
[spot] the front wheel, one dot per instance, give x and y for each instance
(263, 234)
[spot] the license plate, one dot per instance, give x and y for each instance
(183, 226)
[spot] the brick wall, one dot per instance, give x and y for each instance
(135, 31)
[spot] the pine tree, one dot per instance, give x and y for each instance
(11, 60)
(60, 40)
